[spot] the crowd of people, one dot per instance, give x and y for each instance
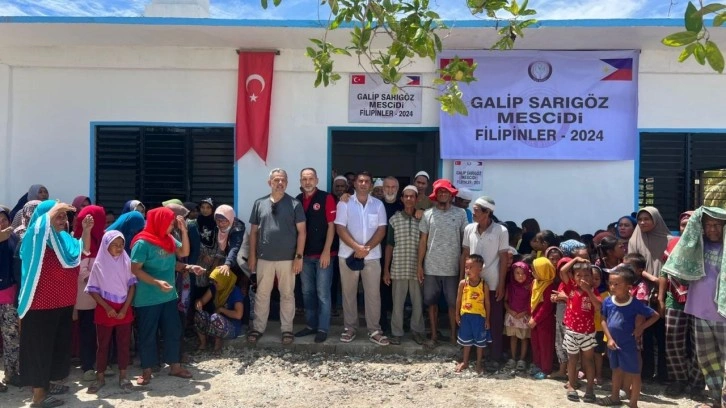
(630, 300)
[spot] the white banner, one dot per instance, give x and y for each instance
(469, 174)
(370, 100)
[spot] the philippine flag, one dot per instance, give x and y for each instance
(358, 79)
(414, 80)
(618, 69)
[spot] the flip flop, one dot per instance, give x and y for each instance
(49, 402)
(95, 387)
(182, 373)
(143, 380)
(125, 384)
(573, 396)
(609, 402)
(57, 389)
(253, 336)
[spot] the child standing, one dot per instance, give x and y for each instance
(582, 300)
(542, 321)
(111, 284)
(517, 302)
(620, 323)
(473, 306)
(597, 277)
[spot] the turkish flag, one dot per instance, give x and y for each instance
(254, 94)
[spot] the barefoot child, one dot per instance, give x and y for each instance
(622, 327)
(582, 301)
(473, 306)
(517, 300)
(111, 284)
(601, 347)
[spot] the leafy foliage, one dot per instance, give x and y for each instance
(411, 29)
(696, 39)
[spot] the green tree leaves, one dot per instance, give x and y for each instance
(696, 38)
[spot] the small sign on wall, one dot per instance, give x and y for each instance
(371, 100)
(469, 174)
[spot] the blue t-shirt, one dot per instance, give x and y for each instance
(620, 319)
(234, 297)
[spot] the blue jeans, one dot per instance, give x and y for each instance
(316, 284)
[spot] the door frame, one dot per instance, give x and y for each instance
(332, 129)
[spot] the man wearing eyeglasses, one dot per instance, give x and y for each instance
(490, 240)
(699, 259)
(277, 241)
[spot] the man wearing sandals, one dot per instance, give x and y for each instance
(361, 225)
(277, 241)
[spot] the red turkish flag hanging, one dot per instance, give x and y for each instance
(254, 94)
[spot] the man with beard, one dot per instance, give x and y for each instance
(317, 271)
(392, 205)
(439, 250)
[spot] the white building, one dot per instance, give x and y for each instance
(132, 90)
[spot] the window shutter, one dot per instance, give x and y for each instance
(663, 159)
(117, 166)
(212, 158)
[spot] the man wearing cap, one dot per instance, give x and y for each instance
(340, 186)
(490, 240)
(361, 224)
(317, 272)
(439, 251)
(421, 181)
(378, 189)
(463, 200)
(400, 269)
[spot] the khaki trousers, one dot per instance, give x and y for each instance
(402, 287)
(371, 276)
(267, 271)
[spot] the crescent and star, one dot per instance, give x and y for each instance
(254, 77)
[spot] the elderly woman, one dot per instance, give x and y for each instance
(154, 263)
(222, 318)
(50, 265)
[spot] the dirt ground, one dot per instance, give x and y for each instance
(267, 378)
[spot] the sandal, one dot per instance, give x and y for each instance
(347, 336)
(125, 384)
(49, 402)
(573, 396)
(609, 402)
(95, 387)
(181, 373)
(288, 338)
(253, 336)
(377, 337)
(144, 378)
(57, 389)
(589, 398)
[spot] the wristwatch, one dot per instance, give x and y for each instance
(298, 256)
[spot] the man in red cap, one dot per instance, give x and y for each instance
(442, 229)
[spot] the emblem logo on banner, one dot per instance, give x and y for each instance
(546, 105)
(371, 100)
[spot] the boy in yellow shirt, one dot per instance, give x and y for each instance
(473, 306)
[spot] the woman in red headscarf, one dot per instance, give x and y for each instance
(154, 263)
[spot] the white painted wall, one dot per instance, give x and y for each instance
(49, 97)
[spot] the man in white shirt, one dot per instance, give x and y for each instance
(490, 240)
(361, 225)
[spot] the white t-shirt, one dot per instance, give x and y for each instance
(489, 244)
(361, 222)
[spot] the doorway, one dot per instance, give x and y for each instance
(398, 152)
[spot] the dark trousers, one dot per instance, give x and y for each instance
(496, 324)
(543, 345)
(654, 363)
(152, 318)
(45, 346)
(123, 340)
(87, 335)
(386, 304)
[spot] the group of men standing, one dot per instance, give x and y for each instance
(408, 245)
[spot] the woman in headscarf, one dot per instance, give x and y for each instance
(222, 318)
(134, 205)
(208, 237)
(129, 225)
(153, 262)
(35, 192)
(542, 321)
(80, 202)
(230, 234)
(530, 228)
(8, 297)
(50, 265)
(85, 305)
(25, 214)
(650, 239)
(626, 227)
